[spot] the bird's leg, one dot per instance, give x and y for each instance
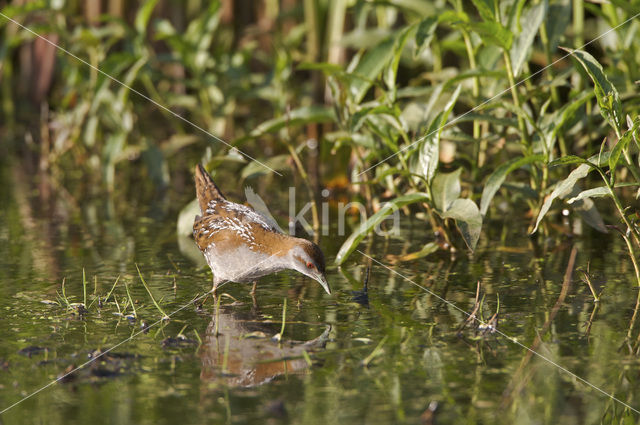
(214, 289)
(253, 294)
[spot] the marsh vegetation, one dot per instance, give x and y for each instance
(505, 133)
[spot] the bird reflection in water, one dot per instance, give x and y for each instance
(245, 355)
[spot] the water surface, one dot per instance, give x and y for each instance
(396, 354)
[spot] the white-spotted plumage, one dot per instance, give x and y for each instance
(241, 245)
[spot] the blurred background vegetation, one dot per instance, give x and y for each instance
(324, 91)
(94, 174)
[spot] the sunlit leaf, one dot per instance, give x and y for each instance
(365, 228)
(302, 115)
(392, 70)
(565, 186)
(557, 21)
(570, 160)
(453, 17)
(370, 66)
(621, 146)
(587, 210)
(494, 33)
(597, 192)
(530, 23)
(468, 220)
(253, 168)
(485, 9)
(552, 123)
(606, 93)
(186, 217)
(631, 7)
(429, 148)
(429, 152)
(496, 178)
(445, 189)
(143, 16)
(424, 34)
(358, 118)
(427, 249)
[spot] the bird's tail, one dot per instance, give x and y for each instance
(206, 189)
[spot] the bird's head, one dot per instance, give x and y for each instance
(308, 260)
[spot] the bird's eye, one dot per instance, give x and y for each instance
(310, 265)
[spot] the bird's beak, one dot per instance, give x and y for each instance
(323, 281)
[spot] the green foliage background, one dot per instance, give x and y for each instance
(435, 107)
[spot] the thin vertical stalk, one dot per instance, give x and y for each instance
(309, 186)
(514, 94)
(310, 20)
(578, 23)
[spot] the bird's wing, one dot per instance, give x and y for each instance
(246, 215)
(226, 231)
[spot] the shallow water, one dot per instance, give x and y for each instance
(397, 354)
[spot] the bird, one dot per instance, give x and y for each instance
(242, 245)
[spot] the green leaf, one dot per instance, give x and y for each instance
(628, 6)
(143, 16)
(370, 66)
(565, 186)
(530, 22)
(606, 93)
(493, 33)
(557, 21)
(424, 34)
(302, 115)
(621, 146)
(427, 249)
(485, 9)
(392, 69)
(429, 151)
(328, 68)
(445, 189)
(551, 124)
(587, 210)
(453, 17)
(597, 192)
(360, 116)
(253, 168)
(570, 160)
(468, 220)
(429, 148)
(496, 178)
(365, 228)
(184, 225)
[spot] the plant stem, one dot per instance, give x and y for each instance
(578, 23)
(307, 183)
(284, 316)
(84, 288)
(514, 94)
(634, 260)
(133, 307)
(544, 38)
(164, 315)
(630, 227)
(112, 288)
